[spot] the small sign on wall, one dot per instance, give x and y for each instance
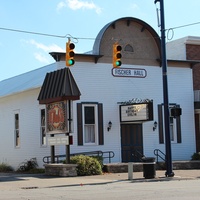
(58, 140)
(136, 112)
(129, 72)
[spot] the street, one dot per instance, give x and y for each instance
(26, 188)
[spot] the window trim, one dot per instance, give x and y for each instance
(174, 131)
(95, 124)
(100, 129)
(17, 144)
(43, 126)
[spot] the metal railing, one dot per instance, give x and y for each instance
(104, 154)
(108, 154)
(159, 154)
(137, 154)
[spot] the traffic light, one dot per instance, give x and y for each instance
(117, 55)
(70, 54)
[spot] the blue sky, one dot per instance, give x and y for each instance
(82, 19)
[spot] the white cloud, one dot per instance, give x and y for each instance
(61, 5)
(41, 58)
(134, 6)
(52, 47)
(79, 4)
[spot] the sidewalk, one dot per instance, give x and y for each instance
(13, 181)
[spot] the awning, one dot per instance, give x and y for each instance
(59, 86)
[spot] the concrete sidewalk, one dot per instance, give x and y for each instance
(14, 181)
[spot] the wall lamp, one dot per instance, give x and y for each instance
(109, 126)
(155, 125)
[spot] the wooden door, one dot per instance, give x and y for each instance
(131, 142)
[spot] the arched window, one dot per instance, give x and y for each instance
(128, 48)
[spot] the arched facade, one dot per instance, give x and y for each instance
(131, 32)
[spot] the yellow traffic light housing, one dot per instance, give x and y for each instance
(70, 54)
(117, 55)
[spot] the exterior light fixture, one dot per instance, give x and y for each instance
(155, 125)
(109, 126)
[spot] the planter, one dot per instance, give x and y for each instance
(65, 170)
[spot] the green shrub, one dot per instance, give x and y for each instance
(196, 156)
(100, 159)
(5, 168)
(86, 165)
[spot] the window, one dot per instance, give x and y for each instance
(175, 126)
(16, 130)
(173, 129)
(90, 123)
(128, 48)
(42, 127)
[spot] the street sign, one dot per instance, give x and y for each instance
(58, 140)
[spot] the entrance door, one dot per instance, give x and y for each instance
(131, 142)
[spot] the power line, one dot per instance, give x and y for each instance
(183, 26)
(177, 27)
(80, 38)
(46, 34)
(29, 32)
(75, 39)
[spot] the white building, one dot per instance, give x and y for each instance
(188, 48)
(103, 91)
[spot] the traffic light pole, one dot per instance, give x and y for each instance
(168, 159)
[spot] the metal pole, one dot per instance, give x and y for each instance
(67, 134)
(67, 152)
(168, 161)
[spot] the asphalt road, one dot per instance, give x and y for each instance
(173, 190)
(90, 188)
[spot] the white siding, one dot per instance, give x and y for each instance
(176, 49)
(99, 85)
(29, 125)
(180, 81)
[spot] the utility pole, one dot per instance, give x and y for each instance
(168, 159)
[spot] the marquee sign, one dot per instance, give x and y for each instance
(129, 72)
(56, 118)
(136, 112)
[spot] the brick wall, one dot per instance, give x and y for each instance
(193, 53)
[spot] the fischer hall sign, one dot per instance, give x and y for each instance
(129, 72)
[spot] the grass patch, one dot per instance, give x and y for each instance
(5, 168)
(37, 171)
